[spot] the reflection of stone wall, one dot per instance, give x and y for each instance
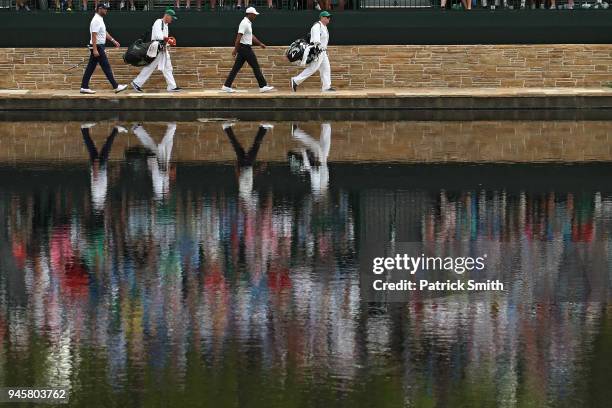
(353, 67)
(351, 141)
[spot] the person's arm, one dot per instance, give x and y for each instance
(111, 39)
(257, 42)
(315, 34)
(236, 44)
(157, 32)
(94, 45)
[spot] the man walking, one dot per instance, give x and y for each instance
(98, 164)
(319, 37)
(162, 62)
(97, 41)
(243, 51)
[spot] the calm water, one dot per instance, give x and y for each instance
(191, 265)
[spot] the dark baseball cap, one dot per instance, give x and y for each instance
(103, 5)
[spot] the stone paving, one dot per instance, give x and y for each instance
(285, 93)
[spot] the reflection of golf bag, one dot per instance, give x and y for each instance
(296, 50)
(136, 54)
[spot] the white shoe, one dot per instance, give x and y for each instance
(88, 125)
(267, 126)
(266, 88)
(227, 125)
(120, 88)
(87, 91)
(227, 89)
(121, 129)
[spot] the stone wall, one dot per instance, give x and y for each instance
(353, 67)
(407, 142)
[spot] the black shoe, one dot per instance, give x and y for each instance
(177, 89)
(330, 90)
(293, 86)
(136, 87)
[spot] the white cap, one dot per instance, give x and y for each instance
(251, 10)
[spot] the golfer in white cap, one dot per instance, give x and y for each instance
(243, 51)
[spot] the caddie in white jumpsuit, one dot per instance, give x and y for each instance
(319, 175)
(159, 166)
(162, 62)
(319, 37)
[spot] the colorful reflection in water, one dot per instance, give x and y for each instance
(146, 282)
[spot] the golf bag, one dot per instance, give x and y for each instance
(136, 54)
(296, 50)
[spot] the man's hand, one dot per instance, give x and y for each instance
(116, 43)
(96, 53)
(262, 45)
(234, 52)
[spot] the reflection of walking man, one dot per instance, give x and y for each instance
(159, 166)
(243, 51)
(319, 174)
(162, 62)
(246, 160)
(319, 37)
(98, 161)
(97, 41)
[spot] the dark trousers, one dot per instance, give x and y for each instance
(245, 54)
(91, 67)
(246, 158)
(94, 155)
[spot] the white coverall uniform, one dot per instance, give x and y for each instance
(162, 61)
(318, 36)
(159, 166)
(319, 175)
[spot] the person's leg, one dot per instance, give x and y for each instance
(106, 67)
(91, 147)
(240, 154)
(251, 58)
(307, 72)
(325, 72)
(144, 138)
(107, 146)
(146, 72)
(89, 70)
(252, 154)
(238, 63)
(167, 71)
